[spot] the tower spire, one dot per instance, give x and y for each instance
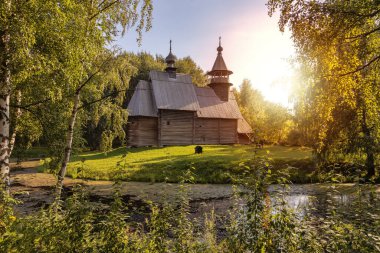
(219, 75)
(170, 60)
(219, 68)
(220, 48)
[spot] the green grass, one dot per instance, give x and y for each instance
(217, 164)
(25, 154)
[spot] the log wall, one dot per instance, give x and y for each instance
(142, 131)
(180, 128)
(176, 127)
(206, 131)
(215, 131)
(228, 131)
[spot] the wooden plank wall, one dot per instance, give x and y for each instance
(206, 131)
(180, 128)
(215, 131)
(142, 131)
(176, 127)
(228, 131)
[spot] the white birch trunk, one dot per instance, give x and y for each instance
(5, 87)
(4, 139)
(18, 113)
(68, 147)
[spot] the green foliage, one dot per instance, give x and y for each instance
(60, 53)
(257, 222)
(187, 65)
(142, 62)
(338, 103)
(270, 122)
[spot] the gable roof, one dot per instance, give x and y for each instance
(173, 93)
(243, 127)
(212, 107)
(142, 103)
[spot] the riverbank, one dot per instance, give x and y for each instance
(35, 190)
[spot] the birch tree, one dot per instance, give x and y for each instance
(5, 90)
(21, 28)
(50, 51)
(97, 26)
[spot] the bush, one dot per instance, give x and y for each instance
(257, 223)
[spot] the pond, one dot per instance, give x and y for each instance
(203, 197)
(320, 197)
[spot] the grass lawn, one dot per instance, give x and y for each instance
(217, 164)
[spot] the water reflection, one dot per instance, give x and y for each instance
(321, 199)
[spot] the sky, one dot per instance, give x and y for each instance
(254, 48)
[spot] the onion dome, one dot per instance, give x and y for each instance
(171, 58)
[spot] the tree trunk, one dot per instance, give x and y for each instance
(369, 147)
(68, 148)
(5, 88)
(370, 164)
(15, 130)
(4, 142)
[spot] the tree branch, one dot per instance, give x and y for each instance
(36, 115)
(103, 9)
(361, 67)
(100, 99)
(364, 34)
(31, 104)
(92, 76)
(101, 3)
(350, 12)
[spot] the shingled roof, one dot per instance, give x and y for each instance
(212, 107)
(163, 92)
(173, 93)
(142, 103)
(243, 127)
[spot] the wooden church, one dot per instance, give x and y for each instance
(170, 110)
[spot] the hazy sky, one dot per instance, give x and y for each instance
(254, 48)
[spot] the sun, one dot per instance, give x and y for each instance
(269, 71)
(258, 51)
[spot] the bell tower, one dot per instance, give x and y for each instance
(219, 76)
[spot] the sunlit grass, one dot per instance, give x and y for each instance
(217, 164)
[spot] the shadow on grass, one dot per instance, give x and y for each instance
(218, 164)
(218, 171)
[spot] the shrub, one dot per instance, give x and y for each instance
(257, 222)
